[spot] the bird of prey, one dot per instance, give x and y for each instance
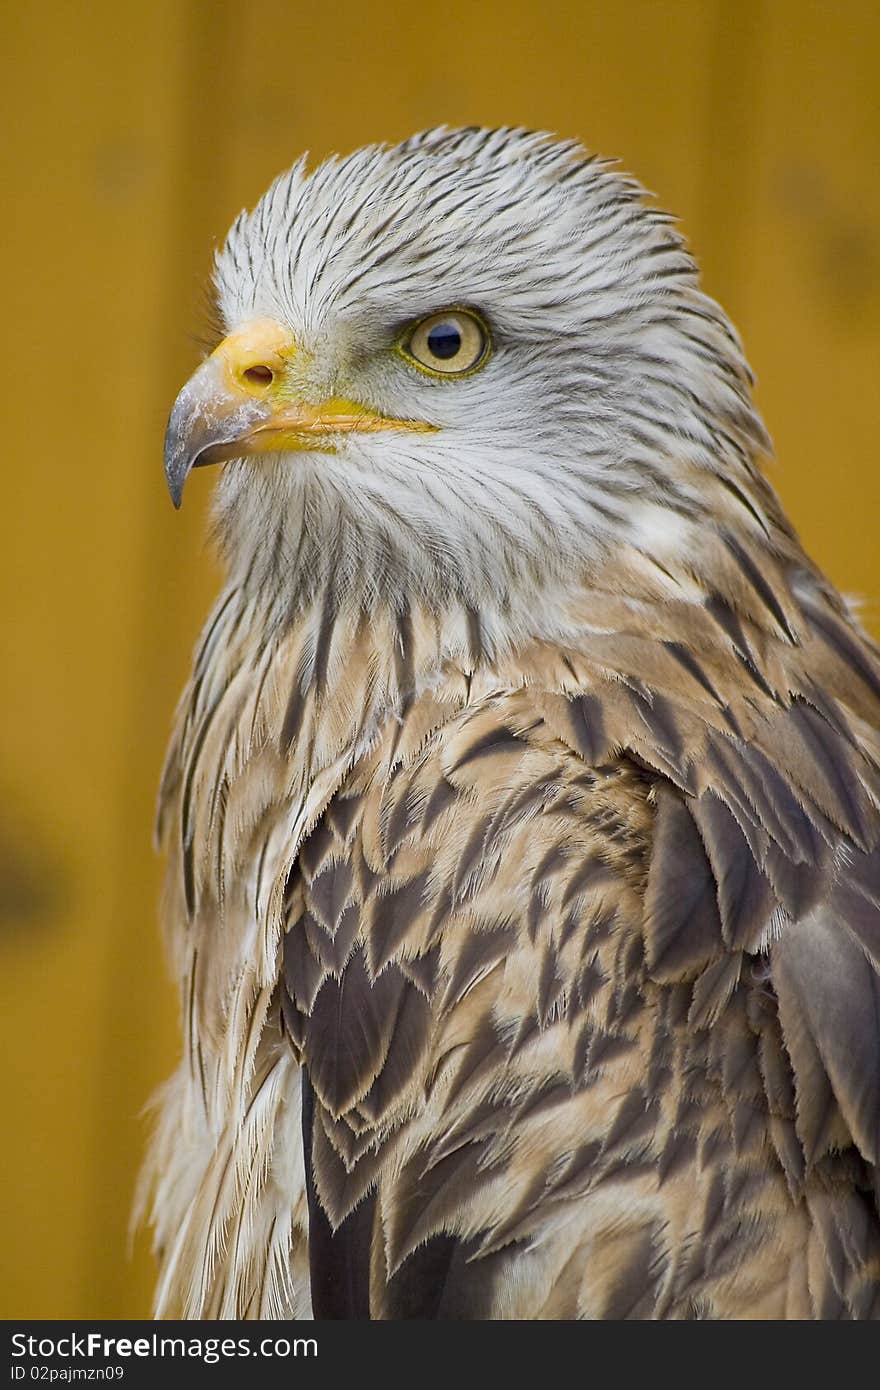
(522, 806)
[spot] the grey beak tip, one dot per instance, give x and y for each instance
(177, 460)
(175, 478)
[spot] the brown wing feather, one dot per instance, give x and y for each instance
(580, 957)
(569, 915)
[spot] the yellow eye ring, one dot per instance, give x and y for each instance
(449, 344)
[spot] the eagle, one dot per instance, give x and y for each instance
(522, 810)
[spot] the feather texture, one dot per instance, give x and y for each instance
(524, 887)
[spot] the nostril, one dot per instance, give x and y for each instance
(259, 376)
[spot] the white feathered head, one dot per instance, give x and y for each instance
(473, 364)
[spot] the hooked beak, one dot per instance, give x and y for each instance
(241, 401)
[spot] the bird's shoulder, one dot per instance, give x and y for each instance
(612, 883)
(714, 820)
(472, 851)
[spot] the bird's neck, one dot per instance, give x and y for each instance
(335, 632)
(330, 668)
(285, 699)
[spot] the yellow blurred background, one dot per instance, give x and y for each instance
(133, 132)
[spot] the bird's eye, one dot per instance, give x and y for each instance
(449, 344)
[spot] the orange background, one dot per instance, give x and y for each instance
(133, 132)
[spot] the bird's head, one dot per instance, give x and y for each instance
(472, 366)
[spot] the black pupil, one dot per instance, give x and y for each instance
(444, 341)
